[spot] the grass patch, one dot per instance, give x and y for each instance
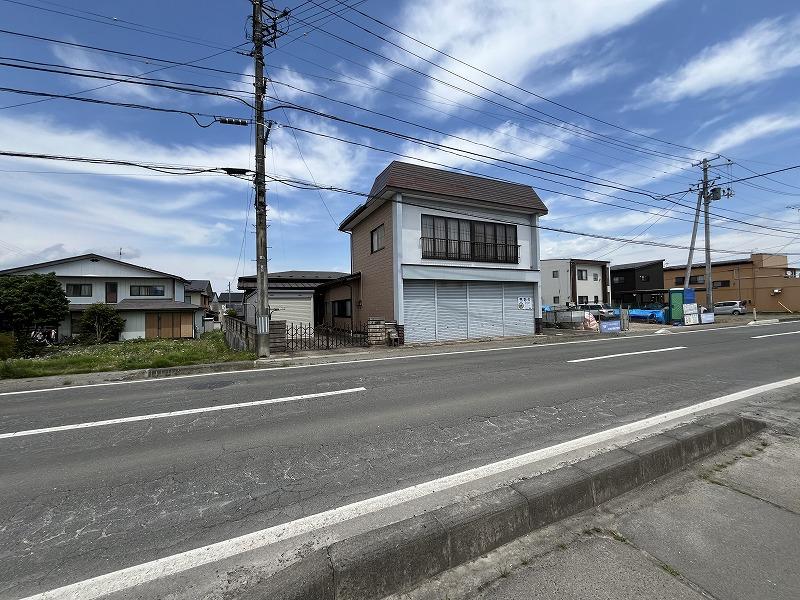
(122, 356)
(671, 570)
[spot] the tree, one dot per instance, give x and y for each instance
(100, 323)
(30, 300)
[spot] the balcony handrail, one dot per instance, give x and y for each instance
(469, 250)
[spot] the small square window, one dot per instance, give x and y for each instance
(595, 277)
(556, 299)
(555, 274)
(583, 299)
(583, 274)
(597, 299)
(377, 238)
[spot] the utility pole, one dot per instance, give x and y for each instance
(262, 35)
(688, 273)
(706, 206)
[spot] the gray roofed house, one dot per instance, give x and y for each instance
(200, 292)
(153, 303)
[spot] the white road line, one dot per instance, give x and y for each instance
(169, 565)
(758, 337)
(175, 413)
(368, 360)
(578, 360)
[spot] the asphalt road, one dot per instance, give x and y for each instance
(84, 501)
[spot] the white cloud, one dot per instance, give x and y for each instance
(763, 52)
(754, 128)
(81, 59)
(519, 145)
(508, 38)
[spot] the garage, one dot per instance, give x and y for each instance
(457, 310)
(295, 309)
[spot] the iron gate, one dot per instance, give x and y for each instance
(305, 336)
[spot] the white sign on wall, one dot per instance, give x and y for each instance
(690, 309)
(525, 303)
(691, 319)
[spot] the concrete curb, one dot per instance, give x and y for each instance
(240, 365)
(396, 557)
(765, 322)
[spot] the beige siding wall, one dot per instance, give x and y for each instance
(377, 288)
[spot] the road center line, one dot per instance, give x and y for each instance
(577, 360)
(175, 413)
(109, 583)
(758, 337)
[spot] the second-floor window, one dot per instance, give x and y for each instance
(618, 279)
(583, 275)
(462, 239)
(147, 290)
(377, 238)
(79, 290)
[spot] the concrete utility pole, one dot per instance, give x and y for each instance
(262, 35)
(688, 273)
(262, 277)
(706, 205)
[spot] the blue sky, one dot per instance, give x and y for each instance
(717, 76)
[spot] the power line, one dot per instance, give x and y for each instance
(193, 114)
(131, 79)
(540, 188)
(580, 130)
(309, 185)
(517, 87)
(111, 22)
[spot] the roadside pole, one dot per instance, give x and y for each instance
(262, 277)
(706, 206)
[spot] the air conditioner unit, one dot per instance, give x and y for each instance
(775, 292)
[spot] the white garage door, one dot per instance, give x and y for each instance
(292, 310)
(485, 310)
(419, 311)
(451, 310)
(457, 310)
(518, 321)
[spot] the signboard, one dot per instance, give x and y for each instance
(690, 309)
(691, 319)
(610, 326)
(706, 318)
(525, 303)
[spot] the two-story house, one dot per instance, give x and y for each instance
(152, 303)
(638, 284)
(444, 255)
(579, 281)
(200, 293)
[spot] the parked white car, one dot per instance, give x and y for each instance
(732, 307)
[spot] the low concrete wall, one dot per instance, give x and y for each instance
(394, 558)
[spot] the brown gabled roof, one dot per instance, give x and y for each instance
(407, 177)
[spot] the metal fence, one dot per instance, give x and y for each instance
(305, 336)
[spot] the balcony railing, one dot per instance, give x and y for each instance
(469, 251)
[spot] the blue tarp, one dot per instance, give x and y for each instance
(648, 314)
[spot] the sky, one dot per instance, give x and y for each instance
(603, 108)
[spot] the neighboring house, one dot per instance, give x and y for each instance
(575, 280)
(445, 255)
(637, 284)
(227, 300)
(200, 293)
(152, 303)
(764, 281)
(291, 295)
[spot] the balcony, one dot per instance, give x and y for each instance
(488, 252)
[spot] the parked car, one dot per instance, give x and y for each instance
(599, 311)
(731, 307)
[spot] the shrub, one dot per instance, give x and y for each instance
(7, 346)
(100, 323)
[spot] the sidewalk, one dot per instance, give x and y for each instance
(728, 529)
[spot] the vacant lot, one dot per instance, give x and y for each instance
(120, 356)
